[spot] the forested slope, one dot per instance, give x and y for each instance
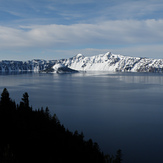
(29, 135)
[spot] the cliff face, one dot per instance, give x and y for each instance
(33, 65)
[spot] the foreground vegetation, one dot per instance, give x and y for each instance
(29, 135)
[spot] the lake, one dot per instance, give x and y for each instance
(117, 110)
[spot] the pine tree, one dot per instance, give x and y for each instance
(118, 156)
(25, 99)
(5, 96)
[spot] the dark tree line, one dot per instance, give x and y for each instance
(29, 135)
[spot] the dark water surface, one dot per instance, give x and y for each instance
(117, 110)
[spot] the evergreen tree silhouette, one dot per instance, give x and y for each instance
(118, 156)
(6, 104)
(5, 97)
(25, 99)
(36, 136)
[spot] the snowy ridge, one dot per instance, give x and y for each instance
(113, 62)
(101, 62)
(33, 65)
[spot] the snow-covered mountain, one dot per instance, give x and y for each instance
(101, 62)
(33, 65)
(113, 62)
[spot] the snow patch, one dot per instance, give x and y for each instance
(58, 65)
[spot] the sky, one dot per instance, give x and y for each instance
(56, 29)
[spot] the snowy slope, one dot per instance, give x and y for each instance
(112, 62)
(101, 62)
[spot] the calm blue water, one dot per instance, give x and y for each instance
(117, 110)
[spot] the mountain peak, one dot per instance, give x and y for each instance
(107, 55)
(79, 55)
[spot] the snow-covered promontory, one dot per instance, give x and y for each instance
(101, 62)
(61, 68)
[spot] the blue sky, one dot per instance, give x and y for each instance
(53, 29)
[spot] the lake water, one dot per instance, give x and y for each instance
(117, 110)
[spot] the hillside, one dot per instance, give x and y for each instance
(29, 135)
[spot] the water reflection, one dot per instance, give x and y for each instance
(144, 78)
(16, 72)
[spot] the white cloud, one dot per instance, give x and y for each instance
(140, 38)
(120, 32)
(10, 37)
